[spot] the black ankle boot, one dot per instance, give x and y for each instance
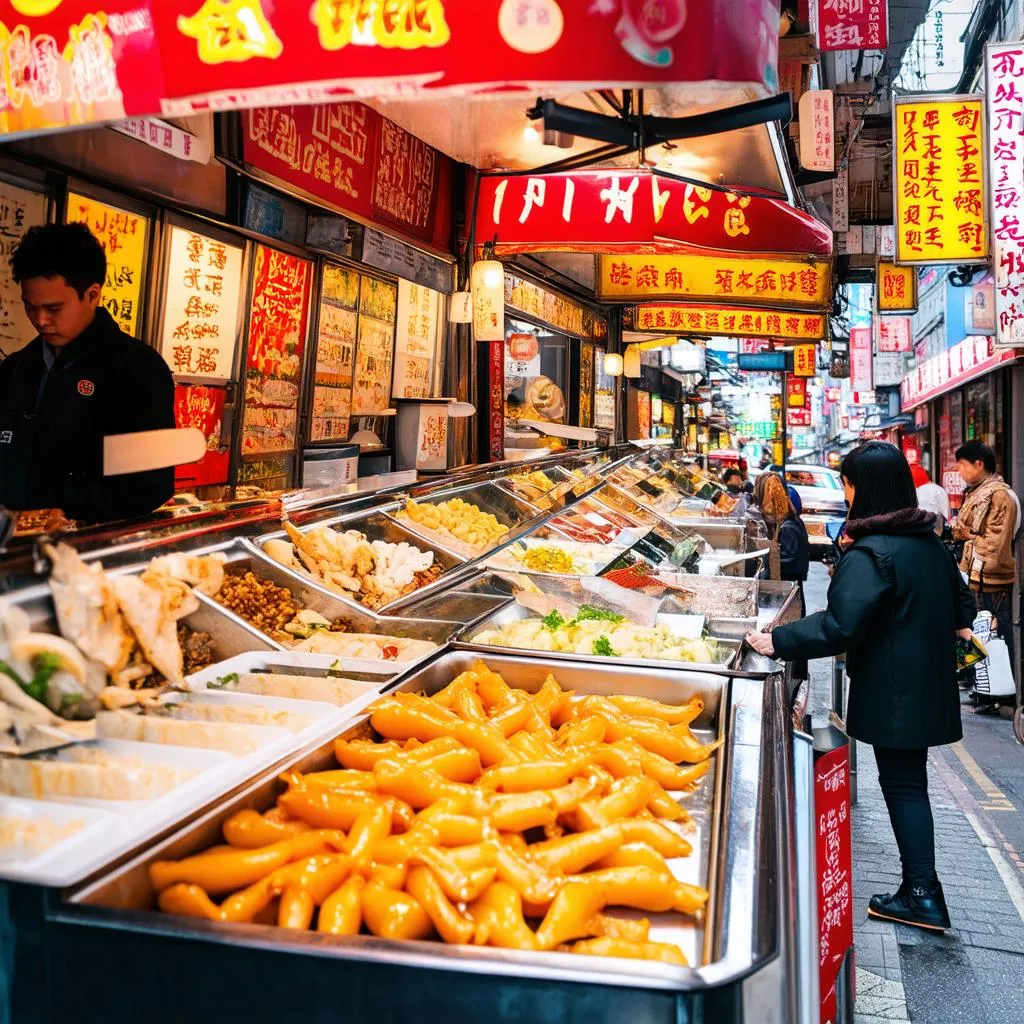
(917, 905)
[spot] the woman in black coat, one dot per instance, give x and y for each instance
(896, 603)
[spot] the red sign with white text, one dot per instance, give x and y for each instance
(798, 417)
(351, 157)
(636, 212)
(971, 358)
(853, 24)
(834, 858)
(196, 405)
(796, 392)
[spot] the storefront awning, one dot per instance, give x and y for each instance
(973, 357)
(181, 56)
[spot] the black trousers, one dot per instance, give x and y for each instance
(903, 776)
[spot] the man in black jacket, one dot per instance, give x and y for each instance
(81, 380)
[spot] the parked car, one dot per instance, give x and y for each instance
(719, 461)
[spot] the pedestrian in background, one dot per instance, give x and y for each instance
(895, 606)
(732, 481)
(931, 497)
(987, 523)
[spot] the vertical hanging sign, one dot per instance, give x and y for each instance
(860, 359)
(853, 24)
(817, 131)
(939, 184)
(896, 288)
(1004, 92)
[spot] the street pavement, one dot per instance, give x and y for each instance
(975, 972)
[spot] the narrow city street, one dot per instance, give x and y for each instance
(974, 972)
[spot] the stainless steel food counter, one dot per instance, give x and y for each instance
(754, 958)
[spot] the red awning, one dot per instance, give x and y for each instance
(623, 211)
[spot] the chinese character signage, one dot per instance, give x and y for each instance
(628, 211)
(804, 360)
(817, 131)
(969, 359)
(375, 346)
(20, 209)
(796, 392)
(586, 384)
(204, 277)
(764, 282)
(939, 189)
(277, 335)
(417, 335)
(798, 417)
(335, 354)
(896, 288)
(196, 405)
(853, 24)
(432, 438)
(834, 861)
(1004, 91)
(887, 369)
(124, 237)
(166, 138)
(893, 333)
(734, 321)
(353, 158)
(860, 359)
(554, 309)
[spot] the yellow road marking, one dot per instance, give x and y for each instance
(995, 798)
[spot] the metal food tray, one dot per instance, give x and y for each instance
(244, 555)
(749, 943)
(376, 525)
(468, 602)
(729, 645)
(509, 509)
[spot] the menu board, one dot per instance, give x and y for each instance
(335, 354)
(200, 324)
(432, 438)
(124, 237)
(371, 386)
(20, 209)
(277, 331)
(416, 340)
(196, 405)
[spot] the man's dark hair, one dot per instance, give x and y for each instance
(881, 477)
(976, 451)
(728, 473)
(70, 251)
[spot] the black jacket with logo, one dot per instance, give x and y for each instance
(52, 424)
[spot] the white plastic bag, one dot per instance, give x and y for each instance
(992, 676)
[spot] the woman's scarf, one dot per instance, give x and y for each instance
(902, 521)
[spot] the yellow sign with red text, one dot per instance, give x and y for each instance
(939, 188)
(124, 237)
(793, 284)
(804, 362)
(733, 321)
(897, 288)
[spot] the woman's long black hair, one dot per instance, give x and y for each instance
(881, 475)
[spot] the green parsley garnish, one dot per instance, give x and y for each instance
(602, 645)
(222, 681)
(553, 619)
(588, 611)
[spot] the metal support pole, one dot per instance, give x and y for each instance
(782, 416)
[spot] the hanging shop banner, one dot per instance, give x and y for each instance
(896, 288)
(77, 62)
(798, 417)
(639, 211)
(1004, 92)
(196, 405)
(417, 335)
(375, 346)
(351, 157)
(554, 309)
(20, 209)
(817, 131)
(335, 354)
(805, 360)
(586, 384)
(833, 845)
(733, 321)
(939, 191)
(277, 334)
(893, 334)
(495, 400)
(860, 359)
(204, 277)
(853, 24)
(124, 237)
(765, 282)
(796, 392)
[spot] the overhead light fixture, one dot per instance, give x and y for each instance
(530, 134)
(613, 364)
(631, 362)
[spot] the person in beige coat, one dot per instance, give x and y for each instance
(987, 524)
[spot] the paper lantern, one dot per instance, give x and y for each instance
(613, 364)
(631, 362)
(488, 285)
